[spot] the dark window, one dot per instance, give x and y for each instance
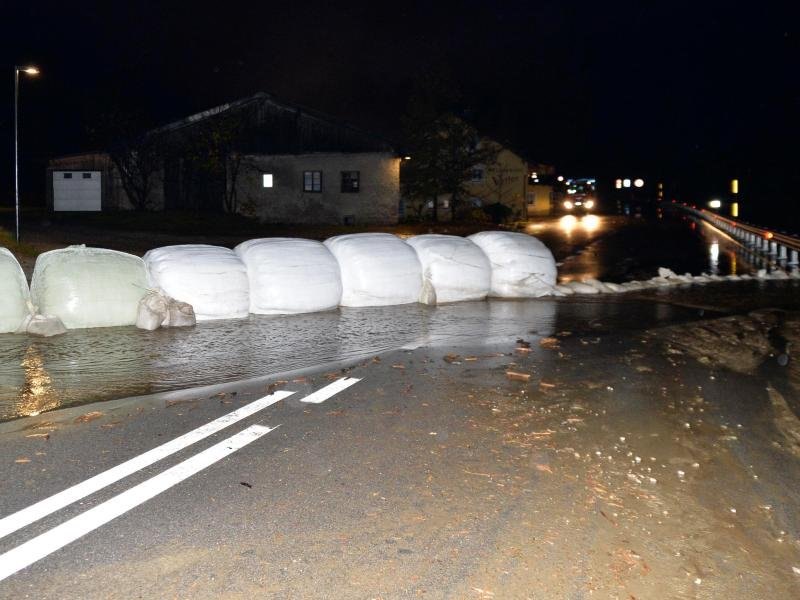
(87, 175)
(476, 175)
(67, 175)
(312, 181)
(350, 181)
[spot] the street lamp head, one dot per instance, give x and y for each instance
(30, 70)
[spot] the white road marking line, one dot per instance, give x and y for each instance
(329, 390)
(66, 533)
(32, 513)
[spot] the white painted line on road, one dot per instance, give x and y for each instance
(28, 515)
(66, 533)
(329, 390)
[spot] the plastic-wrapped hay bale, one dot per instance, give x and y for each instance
(14, 293)
(453, 268)
(522, 266)
(89, 287)
(290, 275)
(210, 278)
(378, 269)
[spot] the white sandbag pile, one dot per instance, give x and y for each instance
(522, 266)
(454, 269)
(210, 278)
(89, 287)
(14, 293)
(290, 276)
(378, 269)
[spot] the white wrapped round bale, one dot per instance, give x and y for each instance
(290, 276)
(378, 269)
(89, 287)
(212, 279)
(522, 266)
(14, 293)
(453, 268)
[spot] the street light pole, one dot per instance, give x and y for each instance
(29, 71)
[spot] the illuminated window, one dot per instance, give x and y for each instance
(350, 181)
(267, 180)
(312, 181)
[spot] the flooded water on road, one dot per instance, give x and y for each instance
(40, 374)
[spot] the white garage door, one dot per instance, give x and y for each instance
(76, 190)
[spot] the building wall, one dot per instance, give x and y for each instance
(376, 202)
(539, 200)
(505, 181)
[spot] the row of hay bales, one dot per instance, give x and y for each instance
(94, 287)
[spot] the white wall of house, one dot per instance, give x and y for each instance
(282, 198)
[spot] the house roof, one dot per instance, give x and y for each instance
(288, 119)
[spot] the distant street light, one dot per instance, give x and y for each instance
(715, 204)
(639, 183)
(32, 71)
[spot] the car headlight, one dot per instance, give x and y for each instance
(589, 204)
(568, 205)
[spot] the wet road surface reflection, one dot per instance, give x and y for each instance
(98, 364)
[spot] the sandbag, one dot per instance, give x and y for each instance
(290, 275)
(378, 269)
(45, 326)
(210, 278)
(522, 266)
(14, 293)
(89, 287)
(157, 310)
(453, 268)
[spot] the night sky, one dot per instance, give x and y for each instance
(693, 93)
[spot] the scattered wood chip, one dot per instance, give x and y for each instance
(22, 460)
(516, 376)
(332, 376)
(376, 359)
(470, 358)
(300, 380)
(179, 402)
(544, 469)
(451, 358)
(544, 384)
(90, 416)
(38, 435)
(402, 367)
(549, 343)
(523, 344)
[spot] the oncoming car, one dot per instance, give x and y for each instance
(581, 196)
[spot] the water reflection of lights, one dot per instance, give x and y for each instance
(713, 255)
(590, 222)
(37, 395)
(568, 223)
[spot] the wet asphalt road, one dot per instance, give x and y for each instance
(622, 467)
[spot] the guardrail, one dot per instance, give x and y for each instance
(780, 247)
